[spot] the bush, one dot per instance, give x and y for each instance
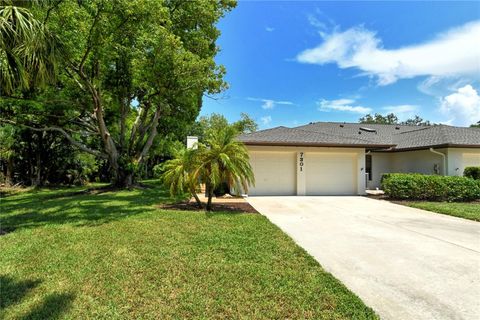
(472, 172)
(413, 186)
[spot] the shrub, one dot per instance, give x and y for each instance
(472, 172)
(414, 186)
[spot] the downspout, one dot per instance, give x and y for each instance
(444, 167)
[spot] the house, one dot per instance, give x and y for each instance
(331, 158)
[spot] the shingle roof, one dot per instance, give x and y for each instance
(284, 135)
(398, 137)
(437, 136)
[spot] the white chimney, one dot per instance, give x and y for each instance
(192, 142)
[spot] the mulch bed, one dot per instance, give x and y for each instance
(233, 207)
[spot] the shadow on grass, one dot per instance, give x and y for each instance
(52, 307)
(56, 207)
(213, 214)
(13, 291)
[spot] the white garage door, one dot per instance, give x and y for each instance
(275, 173)
(331, 173)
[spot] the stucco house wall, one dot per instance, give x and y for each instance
(418, 161)
(381, 163)
(422, 161)
(459, 158)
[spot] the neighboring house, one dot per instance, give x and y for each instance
(330, 158)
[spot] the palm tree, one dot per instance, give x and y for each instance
(181, 174)
(224, 160)
(28, 51)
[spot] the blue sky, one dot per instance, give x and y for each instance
(292, 62)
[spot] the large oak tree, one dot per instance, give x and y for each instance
(124, 71)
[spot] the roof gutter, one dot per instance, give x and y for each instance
(444, 167)
(311, 144)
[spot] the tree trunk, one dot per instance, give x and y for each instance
(210, 195)
(9, 174)
(38, 166)
(123, 178)
(197, 199)
(38, 177)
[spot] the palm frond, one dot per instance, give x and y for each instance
(28, 51)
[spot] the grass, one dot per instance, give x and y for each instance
(464, 210)
(114, 255)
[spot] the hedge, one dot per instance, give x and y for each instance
(414, 186)
(472, 172)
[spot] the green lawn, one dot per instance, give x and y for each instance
(115, 255)
(458, 209)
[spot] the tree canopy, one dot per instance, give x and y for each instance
(110, 76)
(391, 118)
(207, 125)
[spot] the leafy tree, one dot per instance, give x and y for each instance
(245, 124)
(128, 70)
(40, 156)
(208, 125)
(475, 125)
(82, 168)
(224, 160)
(391, 118)
(416, 121)
(377, 118)
(7, 151)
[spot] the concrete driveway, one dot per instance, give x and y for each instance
(405, 263)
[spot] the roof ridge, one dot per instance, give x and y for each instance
(366, 124)
(419, 129)
(269, 129)
(441, 127)
(332, 135)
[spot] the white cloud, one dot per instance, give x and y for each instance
(462, 107)
(436, 86)
(269, 29)
(403, 111)
(270, 103)
(266, 120)
(321, 22)
(403, 108)
(452, 53)
(342, 105)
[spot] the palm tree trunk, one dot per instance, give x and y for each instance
(197, 199)
(210, 195)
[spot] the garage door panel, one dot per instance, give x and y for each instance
(275, 173)
(331, 174)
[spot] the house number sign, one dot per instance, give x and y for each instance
(300, 161)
